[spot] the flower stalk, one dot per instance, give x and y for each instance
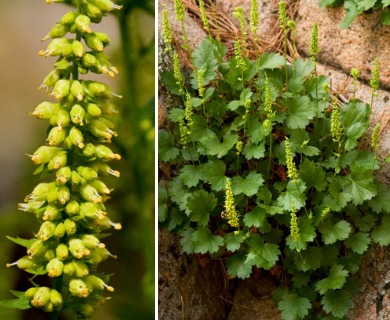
(71, 207)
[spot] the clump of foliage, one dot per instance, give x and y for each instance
(269, 171)
(70, 201)
(354, 8)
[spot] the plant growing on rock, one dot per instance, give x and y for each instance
(271, 172)
(354, 8)
(70, 201)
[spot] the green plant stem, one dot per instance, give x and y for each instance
(270, 153)
(133, 114)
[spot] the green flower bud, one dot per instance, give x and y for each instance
(84, 311)
(63, 175)
(103, 152)
(94, 13)
(57, 31)
(69, 268)
(63, 64)
(76, 137)
(39, 192)
(61, 89)
(98, 89)
(30, 293)
(77, 114)
(49, 254)
(93, 110)
(91, 210)
(89, 60)
(100, 129)
(23, 263)
(100, 186)
(54, 268)
(72, 208)
(68, 18)
(59, 232)
(89, 151)
(106, 223)
(50, 80)
(70, 227)
(77, 248)
(93, 42)
(43, 154)
(76, 178)
(78, 49)
(105, 5)
(93, 283)
(83, 23)
(41, 297)
(87, 173)
(58, 161)
(45, 110)
(58, 46)
(62, 252)
(46, 231)
(61, 118)
(105, 169)
(31, 206)
(56, 298)
(51, 195)
(78, 288)
(80, 268)
(37, 248)
(51, 213)
(63, 194)
(56, 137)
(48, 307)
(77, 90)
(91, 242)
(89, 193)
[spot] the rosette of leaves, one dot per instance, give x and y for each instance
(302, 175)
(354, 8)
(70, 201)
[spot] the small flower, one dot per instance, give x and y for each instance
(292, 172)
(179, 10)
(336, 128)
(313, 48)
(325, 213)
(374, 82)
(230, 207)
(294, 228)
(203, 14)
(167, 34)
(375, 137)
(238, 55)
(239, 14)
(177, 72)
(78, 288)
(254, 16)
(283, 19)
(239, 147)
(201, 88)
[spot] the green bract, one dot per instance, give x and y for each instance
(272, 172)
(71, 207)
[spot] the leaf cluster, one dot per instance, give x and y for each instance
(354, 8)
(239, 129)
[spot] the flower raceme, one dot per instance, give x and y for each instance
(71, 208)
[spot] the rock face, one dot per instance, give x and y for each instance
(186, 289)
(192, 290)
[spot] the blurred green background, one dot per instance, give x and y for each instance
(23, 24)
